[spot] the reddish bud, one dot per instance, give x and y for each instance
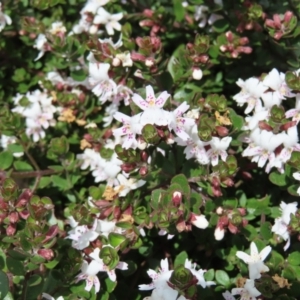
(229, 36)
(177, 198)
(117, 212)
(11, 229)
(278, 35)
(288, 16)
(135, 56)
(144, 156)
(143, 171)
(277, 21)
(24, 214)
(2, 217)
(264, 126)
(288, 125)
(128, 167)
(13, 217)
(148, 13)
(222, 222)
(48, 254)
(232, 228)
(180, 225)
(270, 23)
(242, 211)
(243, 41)
(52, 232)
(222, 131)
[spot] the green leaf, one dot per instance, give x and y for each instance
(4, 284)
(294, 258)
(61, 183)
(46, 180)
(178, 10)
(22, 166)
(182, 181)
(278, 179)
(15, 266)
(109, 285)
(237, 121)
(116, 239)
(265, 231)
(78, 75)
(16, 254)
(34, 280)
(222, 278)
(6, 160)
(180, 259)
(209, 275)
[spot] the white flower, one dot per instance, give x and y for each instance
(275, 81)
(131, 127)
(57, 28)
(8, 140)
(296, 175)
(255, 260)
(109, 20)
(89, 274)
(252, 90)
(248, 292)
(110, 110)
(40, 44)
(125, 58)
(180, 124)
(81, 236)
(103, 86)
(49, 297)
(127, 185)
(4, 19)
(152, 107)
(199, 274)
(281, 224)
(92, 6)
(218, 147)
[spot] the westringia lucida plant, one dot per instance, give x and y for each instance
(149, 149)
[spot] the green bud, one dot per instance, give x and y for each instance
(222, 103)
(277, 113)
(292, 80)
(201, 43)
(24, 102)
(182, 278)
(150, 134)
(9, 189)
(255, 12)
(204, 133)
(110, 257)
(140, 215)
(59, 146)
(106, 153)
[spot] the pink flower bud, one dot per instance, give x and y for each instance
(24, 214)
(148, 13)
(13, 217)
(277, 21)
(243, 41)
(48, 254)
(144, 156)
(128, 167)
(278, 35)
(143, 171)
(288, 16)
(177, 198)
(233, 229)
(222, 131)
(116, 62)
(11, 229)
(180, 225)
(229, 36)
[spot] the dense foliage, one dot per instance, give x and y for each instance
(149, 149)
